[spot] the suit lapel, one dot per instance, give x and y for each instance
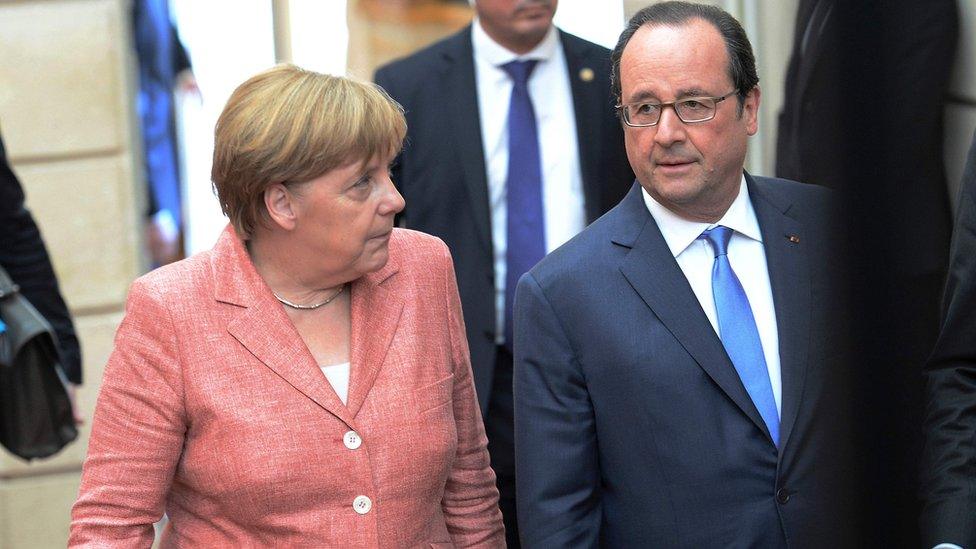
(652, 271)
(375, 315)
(464, 125)
(789, 277)
(587, 103)
(263, 326)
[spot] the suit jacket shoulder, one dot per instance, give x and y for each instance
(412, 252)
(575, 44)
(409, 74)
(811, 205)
(594, 252)
(797, 197)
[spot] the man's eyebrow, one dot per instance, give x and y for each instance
(642, 97)
(684, 93)
(692, 92)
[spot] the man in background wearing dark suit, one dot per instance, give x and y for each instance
(678, 374)
(863, 114)
(512, 149)
(948, 479)
(24, 257)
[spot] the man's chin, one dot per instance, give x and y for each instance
(677, 191)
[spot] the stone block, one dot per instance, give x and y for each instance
(35, 512)
(62, 89)
(86, 211)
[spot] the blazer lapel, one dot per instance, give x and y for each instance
(375, 313)
(651, 270)
(463, 122)
(263, 326)
(789, 277)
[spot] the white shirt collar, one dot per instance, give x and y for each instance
(679, 233)
(497, 55)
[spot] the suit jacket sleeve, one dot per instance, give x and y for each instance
(137, 433)
(25, 258)
(949, 459)
(555, 433)
(470, 502)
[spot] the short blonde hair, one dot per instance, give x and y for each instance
(288, 125)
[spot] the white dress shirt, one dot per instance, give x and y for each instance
(552, 100)
(338, 376)
(747, 256)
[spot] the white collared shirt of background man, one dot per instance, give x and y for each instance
(552, 100)
(748, 259)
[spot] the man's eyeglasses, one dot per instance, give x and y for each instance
(689, 110)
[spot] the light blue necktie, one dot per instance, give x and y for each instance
(737, 328)
(525, 232)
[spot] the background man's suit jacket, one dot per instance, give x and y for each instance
(863, 114)
(24, 256)
(213, 410)
(442, 173)
(633, 428)
(949, 460)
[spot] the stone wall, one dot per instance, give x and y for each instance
(66, 118)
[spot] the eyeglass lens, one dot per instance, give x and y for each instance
(688, 110)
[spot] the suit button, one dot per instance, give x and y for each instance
(352, 440)
(782, 496)
(362, 504)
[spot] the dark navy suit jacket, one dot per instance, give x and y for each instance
(441, 172)
(949, 461)
(632, 426)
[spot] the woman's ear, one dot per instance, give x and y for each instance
(280, 203)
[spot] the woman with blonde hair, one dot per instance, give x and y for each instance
(306, 381)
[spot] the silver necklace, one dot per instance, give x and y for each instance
(312, 306)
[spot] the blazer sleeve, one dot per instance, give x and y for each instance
(556, 457)
(470, 502)
(948, 475)
(137, 433)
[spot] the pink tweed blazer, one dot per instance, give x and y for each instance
(213, 410)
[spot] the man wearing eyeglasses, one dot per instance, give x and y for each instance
(674, 381)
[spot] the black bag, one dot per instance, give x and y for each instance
(36, 419)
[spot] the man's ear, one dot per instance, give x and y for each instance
(281, 206)
(750, 110)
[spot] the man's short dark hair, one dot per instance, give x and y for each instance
(742, 63)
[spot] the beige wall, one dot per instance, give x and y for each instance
(383, 30)
(66, 119)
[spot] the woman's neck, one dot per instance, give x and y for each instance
(286, 272)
